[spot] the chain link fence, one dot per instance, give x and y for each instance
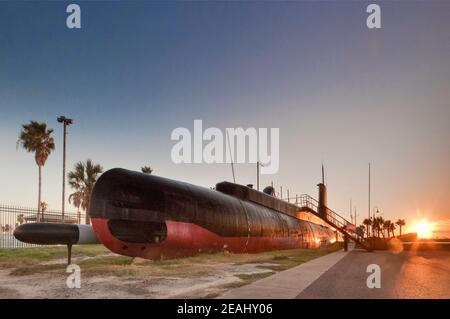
(14, 216)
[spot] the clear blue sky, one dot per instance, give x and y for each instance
(338, 91)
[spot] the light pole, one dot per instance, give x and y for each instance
(351, 216)
(369, 190)
(66, 122)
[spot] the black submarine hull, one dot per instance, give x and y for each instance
(148, 216)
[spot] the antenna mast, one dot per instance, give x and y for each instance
(231, 156)
(323, 174)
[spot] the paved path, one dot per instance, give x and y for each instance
(343, 275)
(404, 275)
(288, 283)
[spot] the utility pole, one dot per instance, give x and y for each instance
(66, 122)
(351, 216)
(369, 191)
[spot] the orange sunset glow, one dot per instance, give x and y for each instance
(423, 228)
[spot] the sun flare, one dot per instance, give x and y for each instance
(423, 229)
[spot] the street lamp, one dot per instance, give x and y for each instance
(377, 212)
(66, 122)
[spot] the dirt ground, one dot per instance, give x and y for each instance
(52, 284)
(30, 273)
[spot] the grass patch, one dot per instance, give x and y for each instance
(124, 267)
(254, 276)
(246, 279)
(287, 257)
(280, 257)
(31, 270)
(211, 295)
(20, 257)
(29, 261)
(236, 284)
(105, 261)
(297, 257)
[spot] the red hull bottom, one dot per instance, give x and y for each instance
(186, 239)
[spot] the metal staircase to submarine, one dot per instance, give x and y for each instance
(308, 203)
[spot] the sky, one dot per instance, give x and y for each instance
(340, 93)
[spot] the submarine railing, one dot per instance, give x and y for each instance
(330, 217)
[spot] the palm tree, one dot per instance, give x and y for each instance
(374, 227)
(367, 222)
(44, 206)
(363, 228)
(20, 219)
(36, 137)
(82, 179)
(400, 223)
(146, 169)
(377, 225)
(392, 228)
(380, 224)
(387, 227)
(76, 198)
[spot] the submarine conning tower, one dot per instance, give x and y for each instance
(323, 203)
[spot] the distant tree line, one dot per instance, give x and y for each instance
(379, 227)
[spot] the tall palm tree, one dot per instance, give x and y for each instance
(380, 226)
(400, 223)
(363, 228)
(76, 199)
(377, 225)
(146, 169)
(386, 227)
(367, 222)
(36, 137)
(392, 228)
(44, 206)
(20, 219)
(82, 179)
(374, 226)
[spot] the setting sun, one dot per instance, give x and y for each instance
(423, 229)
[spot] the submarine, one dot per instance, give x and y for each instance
(152, 217)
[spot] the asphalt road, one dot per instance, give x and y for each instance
(403, 275)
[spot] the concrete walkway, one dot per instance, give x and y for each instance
(409, 274)
(287, 284)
